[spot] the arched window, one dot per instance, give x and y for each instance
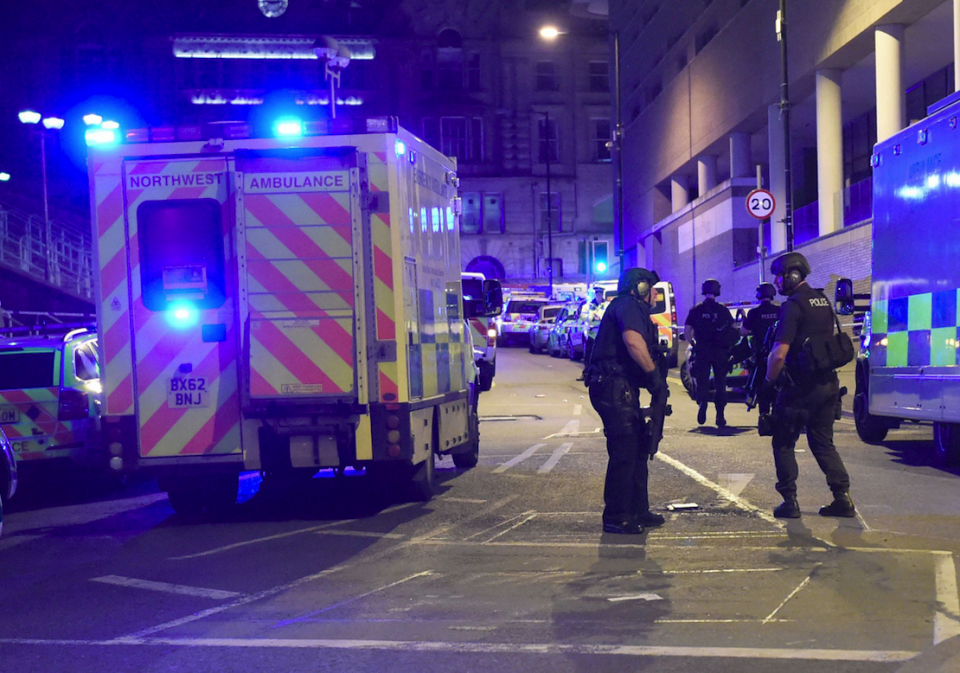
(490, 267)
(449, 39)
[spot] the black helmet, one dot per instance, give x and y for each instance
(638, 278)
(711, 286)
(766, 291)
(790, 261)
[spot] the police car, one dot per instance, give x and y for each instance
(50, 399)
(8, 474)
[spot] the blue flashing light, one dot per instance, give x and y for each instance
(182, 315)
(288, 128)
(601, 267)
(101, 136)
(401, 148)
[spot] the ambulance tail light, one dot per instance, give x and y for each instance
(73, 405)
(100, 137)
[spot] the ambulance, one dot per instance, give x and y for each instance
(908, 368)
(483, 330)
(283, 303)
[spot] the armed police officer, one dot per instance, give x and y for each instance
(809, 391)
(760, 319)
(709, 327)
(625, 358)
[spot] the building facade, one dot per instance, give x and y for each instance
(472, 77)
(701, 92)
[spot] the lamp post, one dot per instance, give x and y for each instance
(549, 33)
(618, 144)
(49, 124)
(785, 112)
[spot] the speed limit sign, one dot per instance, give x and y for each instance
(761, 204)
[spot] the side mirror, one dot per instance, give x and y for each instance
(682, 336)
(492, 303)
(843, 297)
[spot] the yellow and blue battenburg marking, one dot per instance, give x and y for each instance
(920, 330)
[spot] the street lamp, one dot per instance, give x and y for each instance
(549, 33)
(49, 124)
(4, 177)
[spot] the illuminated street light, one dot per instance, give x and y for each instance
(549, 32)
(49, 124)
(4, 177)
(29, 117)
(92, 119)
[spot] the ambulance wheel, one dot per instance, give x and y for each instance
(221, 493)
(946, 442)
(470, 458)
(186, 500)
(423, 485)
(487, 372)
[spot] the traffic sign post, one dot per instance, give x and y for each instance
(760, 204)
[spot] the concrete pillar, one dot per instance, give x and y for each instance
(891, 98)
(707, 172)
(778, 183)
(740, 155)
(679, 194)
(829, 150)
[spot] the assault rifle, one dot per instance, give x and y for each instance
(659, 408)
(758, 367)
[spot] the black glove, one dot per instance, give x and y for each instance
(654, 383)
(767, 394)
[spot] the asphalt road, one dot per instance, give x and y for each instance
(506, 569)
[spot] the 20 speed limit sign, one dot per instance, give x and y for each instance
(761, 204)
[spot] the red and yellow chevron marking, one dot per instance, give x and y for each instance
(160, 350)
(40, 403)
(301, 294)
(385, 298)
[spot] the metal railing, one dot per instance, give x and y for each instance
(67, 263)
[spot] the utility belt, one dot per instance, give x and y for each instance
(600, 370)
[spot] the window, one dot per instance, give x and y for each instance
(600, 136)
(549, 140)
(450, 73)
(85, 362)
(460, 137)
(553, 212)
(181, 253)
(599, 76)
(20, 370)
(493, 213)
(482, 213)
(431, 131)
(546, 76)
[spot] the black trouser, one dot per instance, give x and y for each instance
(813, 405)
(704, 359)
(625, 489)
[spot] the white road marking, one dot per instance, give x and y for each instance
(469, 501)
(353, 599)
(498, 525)
(735, 482)
(719, 490)
(805, 582)
(577, 409)
(946, 624)
(571, 428)
(636, 597)
(555, 458)
(518, 459)
(166, 587)
(885, 656)
(532, 515)
(361, 533)
(719, 570)
(269, 538)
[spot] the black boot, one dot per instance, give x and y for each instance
(788, 509)
(841, 506)
(622, 527)
(650, 519)
(721, 421)
(702, 414)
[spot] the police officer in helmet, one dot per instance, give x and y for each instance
(760, 319)
(708, 327)
(808, 395)
(625, 358)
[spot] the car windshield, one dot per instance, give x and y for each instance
(21, 370)
(524, 306)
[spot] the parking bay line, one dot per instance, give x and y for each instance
(882, 656)
(166, 587)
